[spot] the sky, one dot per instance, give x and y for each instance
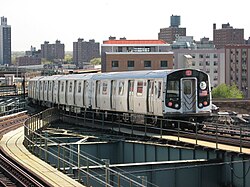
(35, 21)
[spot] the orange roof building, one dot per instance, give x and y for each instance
(134, 55)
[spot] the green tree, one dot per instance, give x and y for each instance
(95, 61)
(225, 91)
(68, 58)
(44, 61)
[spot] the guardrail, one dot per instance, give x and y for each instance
(38, 143)
(164, 127)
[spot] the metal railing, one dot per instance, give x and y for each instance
(163, 127)
(67, 159)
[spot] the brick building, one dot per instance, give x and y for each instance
(84, 51)
(28, 60)
(53, 51)
(169, 34)
(237, 63)
(130, 55)
(227, 35)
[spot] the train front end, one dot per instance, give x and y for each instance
(188, 95)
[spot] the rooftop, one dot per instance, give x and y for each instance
(134, 42)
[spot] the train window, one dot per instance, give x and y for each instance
(45, 86)
(121, 87)
(173, 89)
(187, 87)
(50, 86)
(62, 89)
(139, 88)
(70, 87)
(41, 86)
(113, 87)
(79, 87)
(131, 87)
(159, 90)
(104, 88)
(55, 86)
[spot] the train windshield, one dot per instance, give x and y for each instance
(173, 87)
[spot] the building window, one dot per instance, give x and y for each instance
(193, 55)
(164, 63)
(200, 63)
(131, 63)
(193, 63)
(115, 64)
(147, 63)
(215, 56)
(207, 63)
(119, 49)
(200, 55)
(215, 63)
(207, 55)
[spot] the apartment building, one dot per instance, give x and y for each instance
(131, 55)
(84, 51)
(227, 35)
(5, 42)
(173, 31)
(54, 51)
(211, 61)
(237, 63)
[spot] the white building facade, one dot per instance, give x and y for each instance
(211, 61)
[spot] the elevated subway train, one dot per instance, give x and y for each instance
(174, 94)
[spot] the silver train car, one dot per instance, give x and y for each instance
(177, 94)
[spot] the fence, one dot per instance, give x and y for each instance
(39, 143)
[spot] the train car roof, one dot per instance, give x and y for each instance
(77, 76)
(114, 75)
(133, 74)
(36, 78)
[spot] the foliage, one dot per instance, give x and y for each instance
(95, 61)
(68, 58)
(44, 61)
(225, 91)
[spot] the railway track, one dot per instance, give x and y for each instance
(218, 133)
(11, 172)
(14, 174)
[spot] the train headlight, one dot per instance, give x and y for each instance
(176, 105)
(170, 104)
(200, 105)
(203, 85)
(205, 103)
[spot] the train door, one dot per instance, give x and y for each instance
(150, 96)
(130, 95)
(85, 94)
(113, 94)
(188, 95)
(97, 92)
(158, 98)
